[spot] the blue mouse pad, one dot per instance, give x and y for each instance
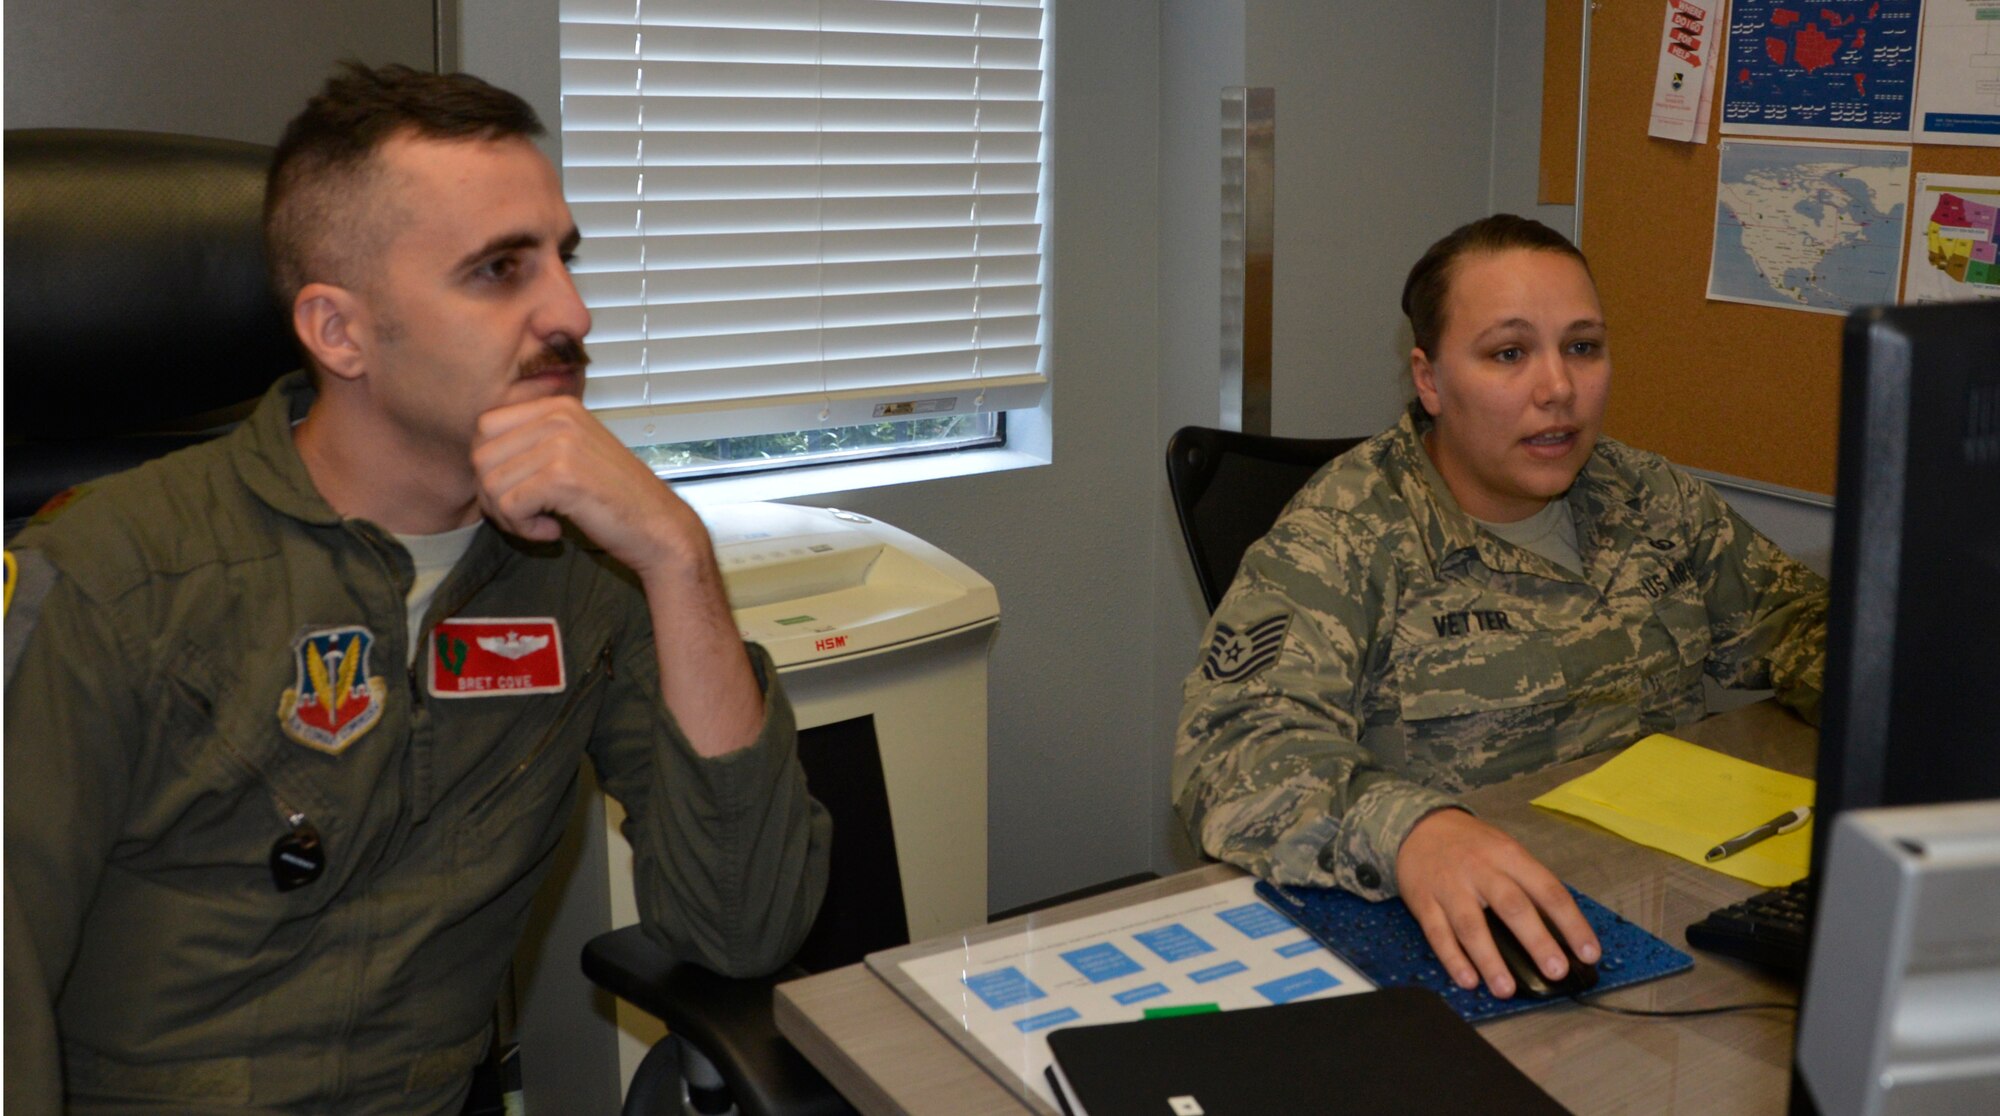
(1384, 941)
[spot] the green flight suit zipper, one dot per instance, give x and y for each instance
(600, 667)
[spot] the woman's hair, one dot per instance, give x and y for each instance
(1424, 292)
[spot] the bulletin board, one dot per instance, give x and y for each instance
(1745, 390)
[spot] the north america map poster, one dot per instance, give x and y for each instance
(1821, 69)
(1809, 226)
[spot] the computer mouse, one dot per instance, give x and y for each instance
(1529, 980)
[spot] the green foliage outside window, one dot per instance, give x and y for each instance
(717, 455)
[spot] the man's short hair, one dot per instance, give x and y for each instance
(316, 206)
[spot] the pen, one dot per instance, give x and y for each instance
(1783, 823)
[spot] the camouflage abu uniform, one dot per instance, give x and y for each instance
(1378, 652)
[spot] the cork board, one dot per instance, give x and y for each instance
(1749, 391)
(1562, 74)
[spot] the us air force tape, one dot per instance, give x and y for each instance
(1234, 656)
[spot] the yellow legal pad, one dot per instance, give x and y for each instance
(1685, 799)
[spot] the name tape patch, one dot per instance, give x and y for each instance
(496, 657)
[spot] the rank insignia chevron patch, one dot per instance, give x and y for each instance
(1234, 656)
(333, 700)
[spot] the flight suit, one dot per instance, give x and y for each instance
(212, 663)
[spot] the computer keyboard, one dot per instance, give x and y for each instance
(1767, 929)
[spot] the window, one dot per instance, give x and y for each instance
(810, 227)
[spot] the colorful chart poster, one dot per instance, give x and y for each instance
(1808, 226)
(1825, 69)
(1958, 89)
(1954, 239)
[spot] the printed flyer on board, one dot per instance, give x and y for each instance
(1958, 88)
(1683, 83)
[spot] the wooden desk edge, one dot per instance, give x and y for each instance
(845, 1074)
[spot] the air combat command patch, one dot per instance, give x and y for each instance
(1234, 656)
(334, 700)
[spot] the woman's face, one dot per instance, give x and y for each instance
(1518, 382)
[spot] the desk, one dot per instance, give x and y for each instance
(889, 1061)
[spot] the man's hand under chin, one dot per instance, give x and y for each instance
(549, 457)
(547, 460)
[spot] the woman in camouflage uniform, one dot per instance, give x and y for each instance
(1487, 588)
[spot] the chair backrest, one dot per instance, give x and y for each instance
(864, 910)
(1228, 488)
(139, 316)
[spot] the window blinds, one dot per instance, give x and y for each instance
(805, 213)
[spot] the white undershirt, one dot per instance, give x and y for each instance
(433, 556)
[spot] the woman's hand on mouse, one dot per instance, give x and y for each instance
(1452, 867)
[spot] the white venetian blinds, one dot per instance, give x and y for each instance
(805, 213)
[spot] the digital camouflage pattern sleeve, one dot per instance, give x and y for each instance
(1766, 611)
(1269, 772)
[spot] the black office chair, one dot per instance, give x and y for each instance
(1228, 489)
(723, 1047)
(722, 1044)
(139, 317)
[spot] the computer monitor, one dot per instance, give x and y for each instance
(1912, 708)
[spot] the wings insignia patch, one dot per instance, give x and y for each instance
(513, 645)
(1234, 656)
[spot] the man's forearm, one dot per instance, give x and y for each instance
(706, 679)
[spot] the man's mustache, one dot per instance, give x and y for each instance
(561, 353)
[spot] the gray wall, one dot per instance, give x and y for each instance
(1517, 116)
(1385, 124)
(237, 69)
(1202, 51)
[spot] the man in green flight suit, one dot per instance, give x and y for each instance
(294, 719)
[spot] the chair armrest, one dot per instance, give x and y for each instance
(728, 1019)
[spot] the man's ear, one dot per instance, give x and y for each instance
(330, 323)
(1424, 376)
